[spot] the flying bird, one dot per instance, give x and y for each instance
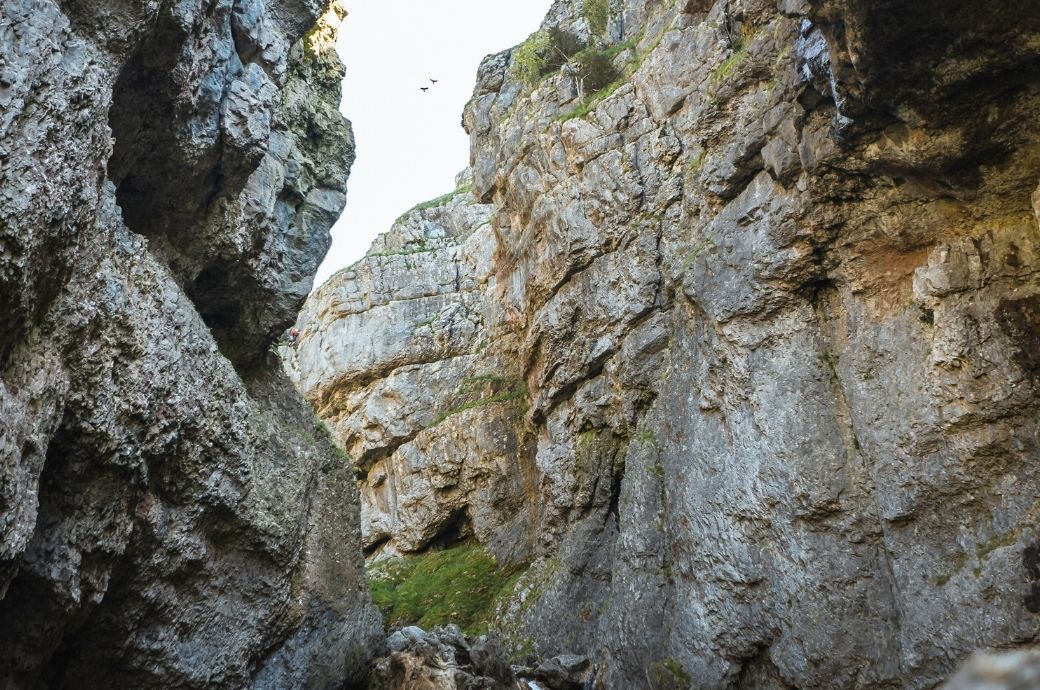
(433, 81)
(424, 89)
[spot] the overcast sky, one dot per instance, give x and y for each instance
(410, 144)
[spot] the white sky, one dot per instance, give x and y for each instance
(410, 144)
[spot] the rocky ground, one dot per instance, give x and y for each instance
(1008, 671)
(734, 354)
(445, 659)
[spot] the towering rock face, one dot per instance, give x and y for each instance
(771, 299)
(406, 355)
(171, 515)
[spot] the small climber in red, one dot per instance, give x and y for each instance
(294, 333)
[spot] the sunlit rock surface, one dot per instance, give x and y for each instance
(405, 358)
(758, 330)
(171, 515)
(996, 671)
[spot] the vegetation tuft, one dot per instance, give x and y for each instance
(597, 14)
(589, 103)
(728, 68)
(459, 585)
(693, 253)
(432, 203)
(442, 200)
(418, 248)
(595, 69)
(669, 675)
(597, 78)
(544, 52)
(490, 390)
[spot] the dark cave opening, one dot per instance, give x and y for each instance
(456, 528)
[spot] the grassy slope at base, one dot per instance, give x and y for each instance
(459, 585)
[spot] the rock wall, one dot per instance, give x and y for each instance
(171, 515)
(406, 357)
(759, 339)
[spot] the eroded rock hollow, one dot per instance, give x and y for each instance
(729, 338)
(171, 514)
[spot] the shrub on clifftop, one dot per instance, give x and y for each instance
(544, 52)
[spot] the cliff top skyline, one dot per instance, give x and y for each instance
(411, 143)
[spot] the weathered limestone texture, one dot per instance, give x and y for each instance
(402, 356)
(772, 305)
(171, 515)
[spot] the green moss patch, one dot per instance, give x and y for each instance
(728, 68)
(589, 103)
(544, 53)
(457, 585)
(419, 248)
(442, 200)
(481, 391)
(669, 675)
(432, 203)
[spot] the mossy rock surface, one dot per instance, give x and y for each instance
(459, 585)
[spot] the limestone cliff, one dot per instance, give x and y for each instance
(171, 515)
(403, 355)
(737, 342)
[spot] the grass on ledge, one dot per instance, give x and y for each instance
(459, 585)
(442, 200)
(589, 103)
(508, 390)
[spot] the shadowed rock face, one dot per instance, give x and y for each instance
(773, 305)
(170, 513)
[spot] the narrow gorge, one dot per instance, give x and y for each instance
(719, 368)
